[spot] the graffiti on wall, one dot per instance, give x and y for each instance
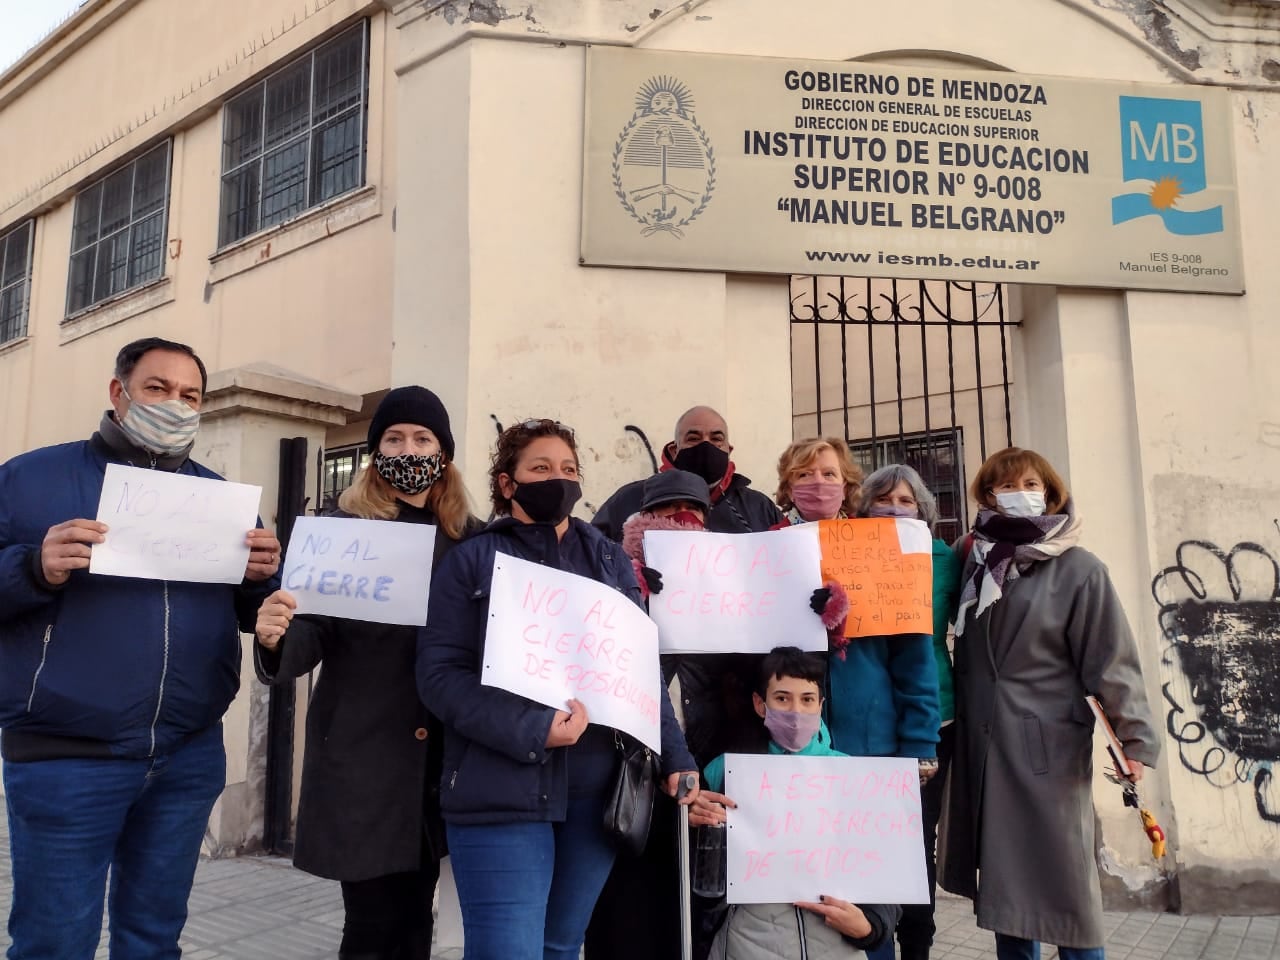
(1220, 616)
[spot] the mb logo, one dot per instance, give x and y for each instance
(1162, 142)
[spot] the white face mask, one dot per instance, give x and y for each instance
(1021, 503)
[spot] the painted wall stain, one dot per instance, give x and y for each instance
(1220, 613)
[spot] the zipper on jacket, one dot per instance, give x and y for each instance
(44, 653)
(164, 672)
(804, 943)
(728, 931)
(453, 779)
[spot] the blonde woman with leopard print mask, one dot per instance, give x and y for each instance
(369, 809)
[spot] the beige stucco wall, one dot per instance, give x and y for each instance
(1142, 399)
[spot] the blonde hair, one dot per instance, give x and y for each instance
(802, 453)
(372, 498)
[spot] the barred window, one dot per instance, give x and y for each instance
(339, 470)
(297, 138)
(938, 456)
(119, 229)
(15, 281)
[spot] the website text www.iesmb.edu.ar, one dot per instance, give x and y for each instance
(920, 260)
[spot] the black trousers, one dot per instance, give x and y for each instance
(389, 918)
(916, 928)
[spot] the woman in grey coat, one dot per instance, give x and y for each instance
(1039, 628)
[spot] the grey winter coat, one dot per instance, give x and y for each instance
(1019, 802)
(767, 931)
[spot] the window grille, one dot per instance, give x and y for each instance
(337, 472)
(118, 230)
(15, 280)
(297, 138)
(939, 459)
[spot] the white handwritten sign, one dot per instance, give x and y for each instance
(375, 570)
(553, 635)
(170, 526)
(842, 826)
(736, 592)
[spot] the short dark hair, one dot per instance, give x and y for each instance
(791, 662)
(511, 443)
(131, 353)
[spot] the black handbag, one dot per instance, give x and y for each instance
(630, 805)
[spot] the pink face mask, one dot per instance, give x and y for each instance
(817, 500)
(790, 729)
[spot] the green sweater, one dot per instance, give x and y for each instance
(819, 746)
(946, 597)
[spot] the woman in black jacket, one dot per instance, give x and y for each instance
(525, 785)
(368, 814)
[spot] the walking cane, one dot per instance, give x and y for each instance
(687, 783)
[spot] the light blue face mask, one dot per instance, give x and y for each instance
(165, 428)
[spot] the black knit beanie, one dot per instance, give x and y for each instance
(416, 405)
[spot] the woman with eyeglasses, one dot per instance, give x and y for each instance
(524, 786)
(1039, 628)
(368, 814)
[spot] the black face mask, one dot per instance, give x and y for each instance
(704, 459)
(548, 501)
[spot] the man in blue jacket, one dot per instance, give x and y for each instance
(112, 689)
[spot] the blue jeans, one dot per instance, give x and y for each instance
(527, 889)
(72, 820)
(1016, 948)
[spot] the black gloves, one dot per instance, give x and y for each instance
(652, 579)
(818, 600)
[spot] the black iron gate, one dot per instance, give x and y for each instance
(905, 370)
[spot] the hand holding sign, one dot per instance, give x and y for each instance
(568, 726)
(264, 555)
(841, 915)
(274, 617)
(66, 548)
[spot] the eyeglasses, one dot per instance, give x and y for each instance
(545, 423)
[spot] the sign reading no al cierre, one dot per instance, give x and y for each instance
(760, 165)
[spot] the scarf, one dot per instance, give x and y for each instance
(793, 518)
(1004, 548)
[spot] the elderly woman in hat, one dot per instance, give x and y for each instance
(368, 815)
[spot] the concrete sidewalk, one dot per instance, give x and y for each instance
(260, 908)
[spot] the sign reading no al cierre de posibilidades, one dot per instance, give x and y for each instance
(757, 165)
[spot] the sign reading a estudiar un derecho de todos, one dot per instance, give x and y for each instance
(760, 165)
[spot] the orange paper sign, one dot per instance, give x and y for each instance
(886, 567)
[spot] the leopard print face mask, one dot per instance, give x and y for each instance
(409, 473)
